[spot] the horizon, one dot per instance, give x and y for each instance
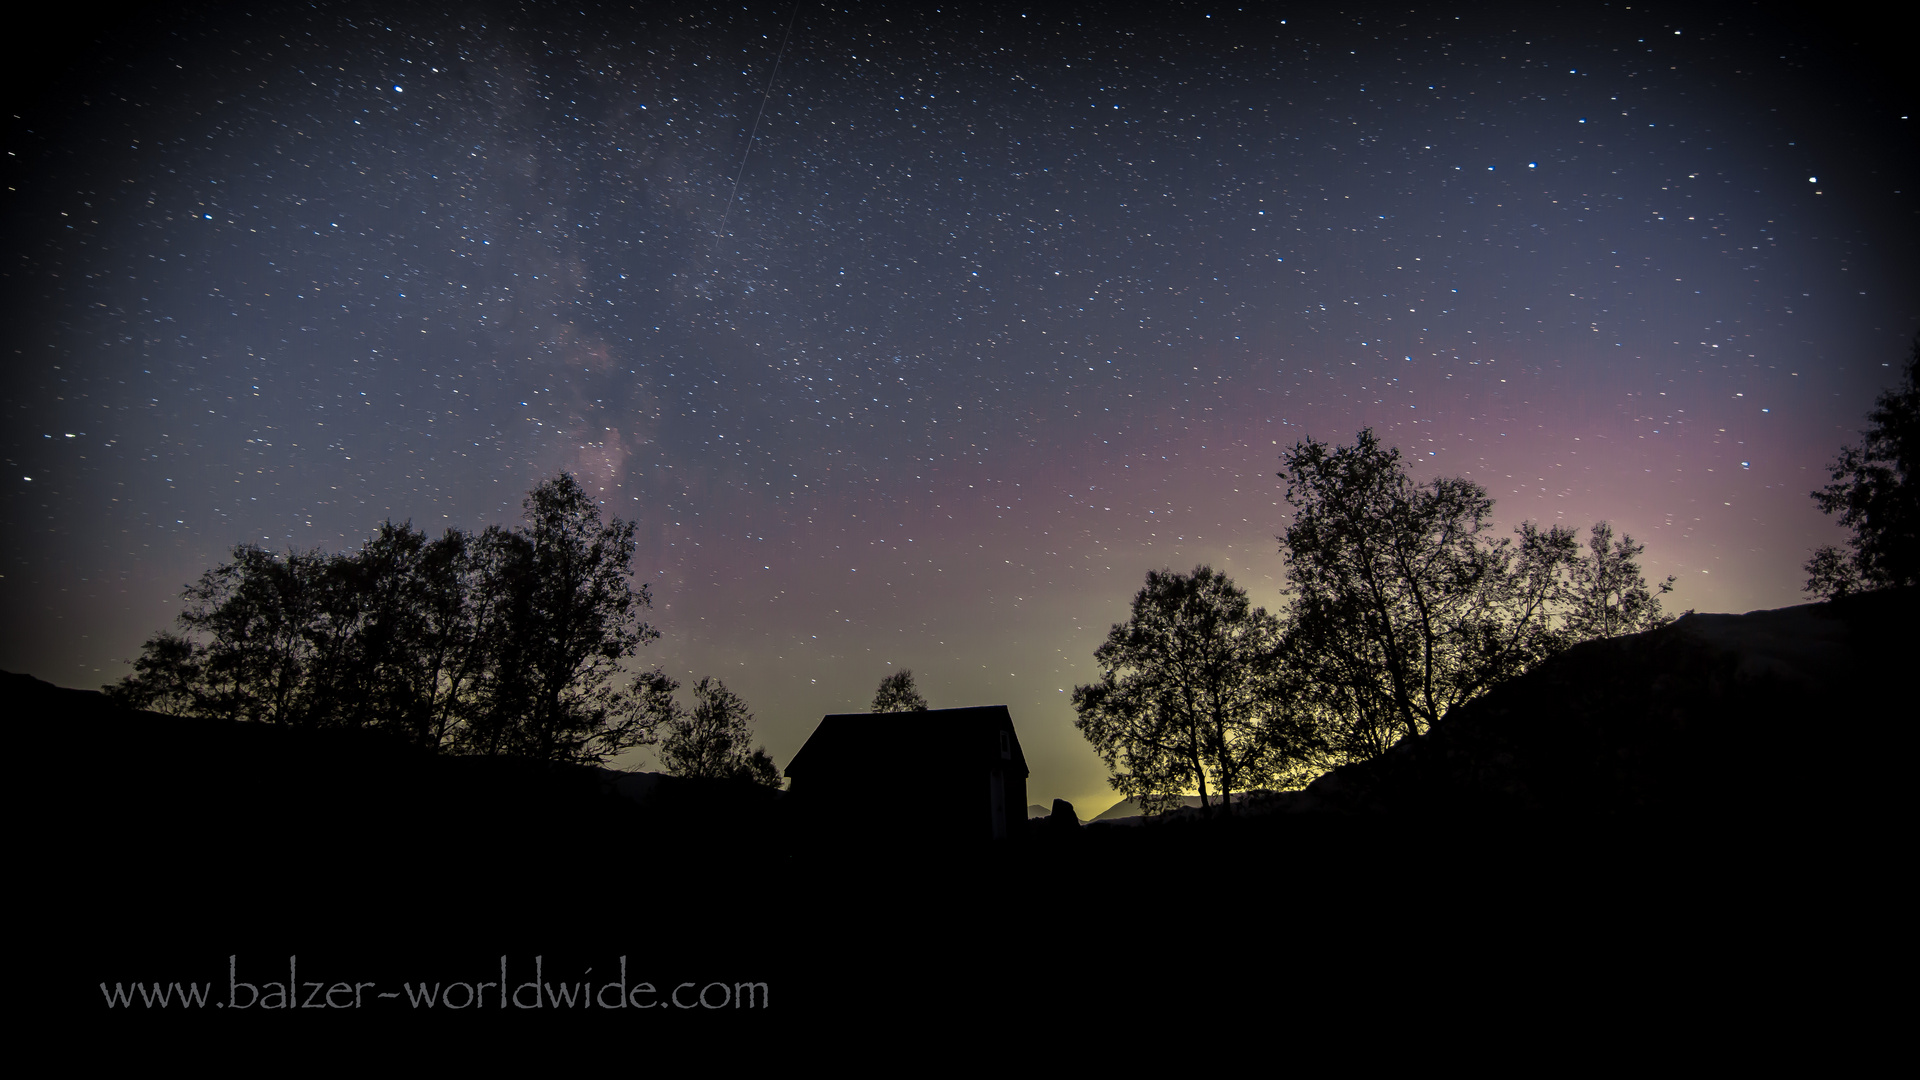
(918, 346)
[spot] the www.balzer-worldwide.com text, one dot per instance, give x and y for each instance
(275, 989)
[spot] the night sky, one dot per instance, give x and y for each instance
(918, 343)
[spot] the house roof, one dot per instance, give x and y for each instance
(886, 742)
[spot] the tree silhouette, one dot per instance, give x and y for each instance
(1609, 594)
(392, 646)
(252, 635)
(1876, 492)
(1405, 604)
(897, 694)
(503, 643)
(711, 739)
(562, 615)
(1187, 697)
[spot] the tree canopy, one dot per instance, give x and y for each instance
(1188, 698)
(563, 615)
(1405, 602)
(1608, 594)
(505, 642)
(1876, 492)
(711, 739)
(897, 694)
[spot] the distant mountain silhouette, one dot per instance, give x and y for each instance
(637, 786)
(1129, 809)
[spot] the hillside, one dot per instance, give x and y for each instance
(1715, 716)
(1708, 763)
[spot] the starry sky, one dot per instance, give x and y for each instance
(914, 335)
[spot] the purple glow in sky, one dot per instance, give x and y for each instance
(920, 350)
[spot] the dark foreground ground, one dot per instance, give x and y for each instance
(1731, 908)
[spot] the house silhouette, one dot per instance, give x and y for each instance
(964, 764)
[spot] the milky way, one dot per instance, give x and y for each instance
(920, 348)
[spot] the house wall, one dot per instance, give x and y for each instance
(960, 806)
